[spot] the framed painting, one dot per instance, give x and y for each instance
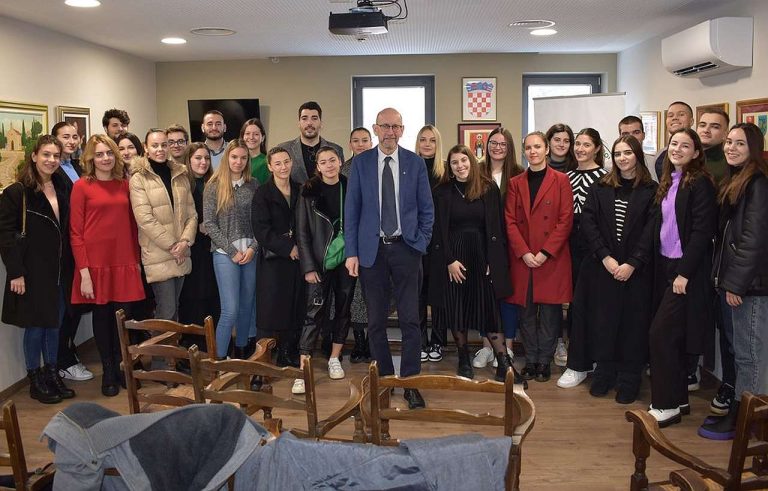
(475, 136)
(478, 99)
(652, 127)
(700, 109)
(79, 117)
(20, 125)
(754, 111)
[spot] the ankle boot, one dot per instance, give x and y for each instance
(359, 351)
(120, 375)
(723, 428)
(465, 367)
(239, 352)
(284, 359)
(109, 382)
(250, 348)
(504, 362)
(55, 383)
(39, 390)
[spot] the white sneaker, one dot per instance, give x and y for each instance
(665, 417)
(334, 369)
(561, 354)
(76, 372)
(483, 357)
(298, 386)
(571, 378)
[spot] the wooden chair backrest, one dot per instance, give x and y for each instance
(750, 441)
(164, 343)
(15, 457)
(517, 420)
(224, 389)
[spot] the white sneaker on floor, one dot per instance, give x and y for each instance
(561, 354)
(571, 378)
(483, 357)
(665, 417)
(298, 386)
(335, 372)
(76, 372)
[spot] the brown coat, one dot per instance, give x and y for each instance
(160, 224)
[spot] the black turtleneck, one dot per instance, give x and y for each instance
(535, 178)
(164, 171)
(430, 161)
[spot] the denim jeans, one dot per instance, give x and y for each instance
(43, 340)
(167, 294)
(750, 345)
(237, 291)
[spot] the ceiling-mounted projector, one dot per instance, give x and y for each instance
(359, 21)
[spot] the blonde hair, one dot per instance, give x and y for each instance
(438, 168)
(222, 177)
(86, 161)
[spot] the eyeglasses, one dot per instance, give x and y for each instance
(180, 143)
(497, 144)
(393, 127)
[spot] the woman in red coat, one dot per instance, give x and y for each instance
(539, 216)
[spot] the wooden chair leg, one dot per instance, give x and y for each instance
(642, 450)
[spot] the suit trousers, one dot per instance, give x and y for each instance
(669, 361)
(539, 327)
(397, 269)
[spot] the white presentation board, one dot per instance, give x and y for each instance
(599, 111)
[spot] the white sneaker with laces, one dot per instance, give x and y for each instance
(571, 378)
(298, 386)
(561, 354)
(335, 372)
(425, 354)
(665, 417)
(483, 357)
(76, 372)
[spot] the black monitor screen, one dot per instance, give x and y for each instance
(235, 111)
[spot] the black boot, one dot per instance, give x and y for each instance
(39, 390)
(250, 348)
(465, 367)
(723, 428)
(55, 383)
(109, 382)
(284, 359)
(627, 387)
(120, 376)
(504, 362)
(361, 346)
(257, 382)
(239, 352)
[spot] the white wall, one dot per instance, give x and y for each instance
(45, 67)
(650, 87)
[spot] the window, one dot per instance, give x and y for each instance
(553, 86)
(412, 96)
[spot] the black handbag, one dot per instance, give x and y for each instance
(267, 254)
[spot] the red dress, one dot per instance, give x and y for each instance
(105, 240)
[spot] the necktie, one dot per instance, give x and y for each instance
(388, 206)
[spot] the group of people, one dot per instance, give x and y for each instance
(272, 243)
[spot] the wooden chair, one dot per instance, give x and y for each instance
(517, 421)
(751, 440)
(164, 343)
(223, 389)
(39, 478)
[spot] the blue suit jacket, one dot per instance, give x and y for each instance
(362, 209)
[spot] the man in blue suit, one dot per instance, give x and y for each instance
(388, 218)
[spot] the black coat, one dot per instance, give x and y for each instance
(45, 259)
(279, 281)
(742, 243)
(616, 315)
(495, 242)
(696, 213)
(314, 230)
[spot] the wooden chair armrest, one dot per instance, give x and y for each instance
(350, 408)
(688, 480)
(224, 380)
(652, 434)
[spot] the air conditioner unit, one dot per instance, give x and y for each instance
(712, 47)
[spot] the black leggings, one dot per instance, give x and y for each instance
(105, 331)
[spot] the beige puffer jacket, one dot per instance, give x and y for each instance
(160, 224)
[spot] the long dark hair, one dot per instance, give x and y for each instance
(732, 188)
(642, 175)
(694, 169)
(477, 181)
(594, 135)
(511, 167)
(257, 122)
(27, 173)
(570, 157)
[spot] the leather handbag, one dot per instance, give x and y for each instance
(334, 255)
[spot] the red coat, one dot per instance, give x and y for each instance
(546, 226)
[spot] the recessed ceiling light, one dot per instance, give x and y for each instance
(174, 41)
(212, 31)
(533, 23)
(83, 3)
(543, 32)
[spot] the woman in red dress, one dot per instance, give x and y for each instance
(106, 250)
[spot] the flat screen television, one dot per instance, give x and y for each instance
(235, 111)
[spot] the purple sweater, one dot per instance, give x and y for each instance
(671, 247)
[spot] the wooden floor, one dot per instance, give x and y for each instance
(579, 442)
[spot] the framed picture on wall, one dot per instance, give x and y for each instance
(700, 109)
(475, 136)
(478, 99)
(652, 127)
(79, 117)
(754, 111)
(20, 125)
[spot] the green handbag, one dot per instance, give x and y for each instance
(334, 255)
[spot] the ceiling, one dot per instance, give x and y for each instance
(267, 28)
